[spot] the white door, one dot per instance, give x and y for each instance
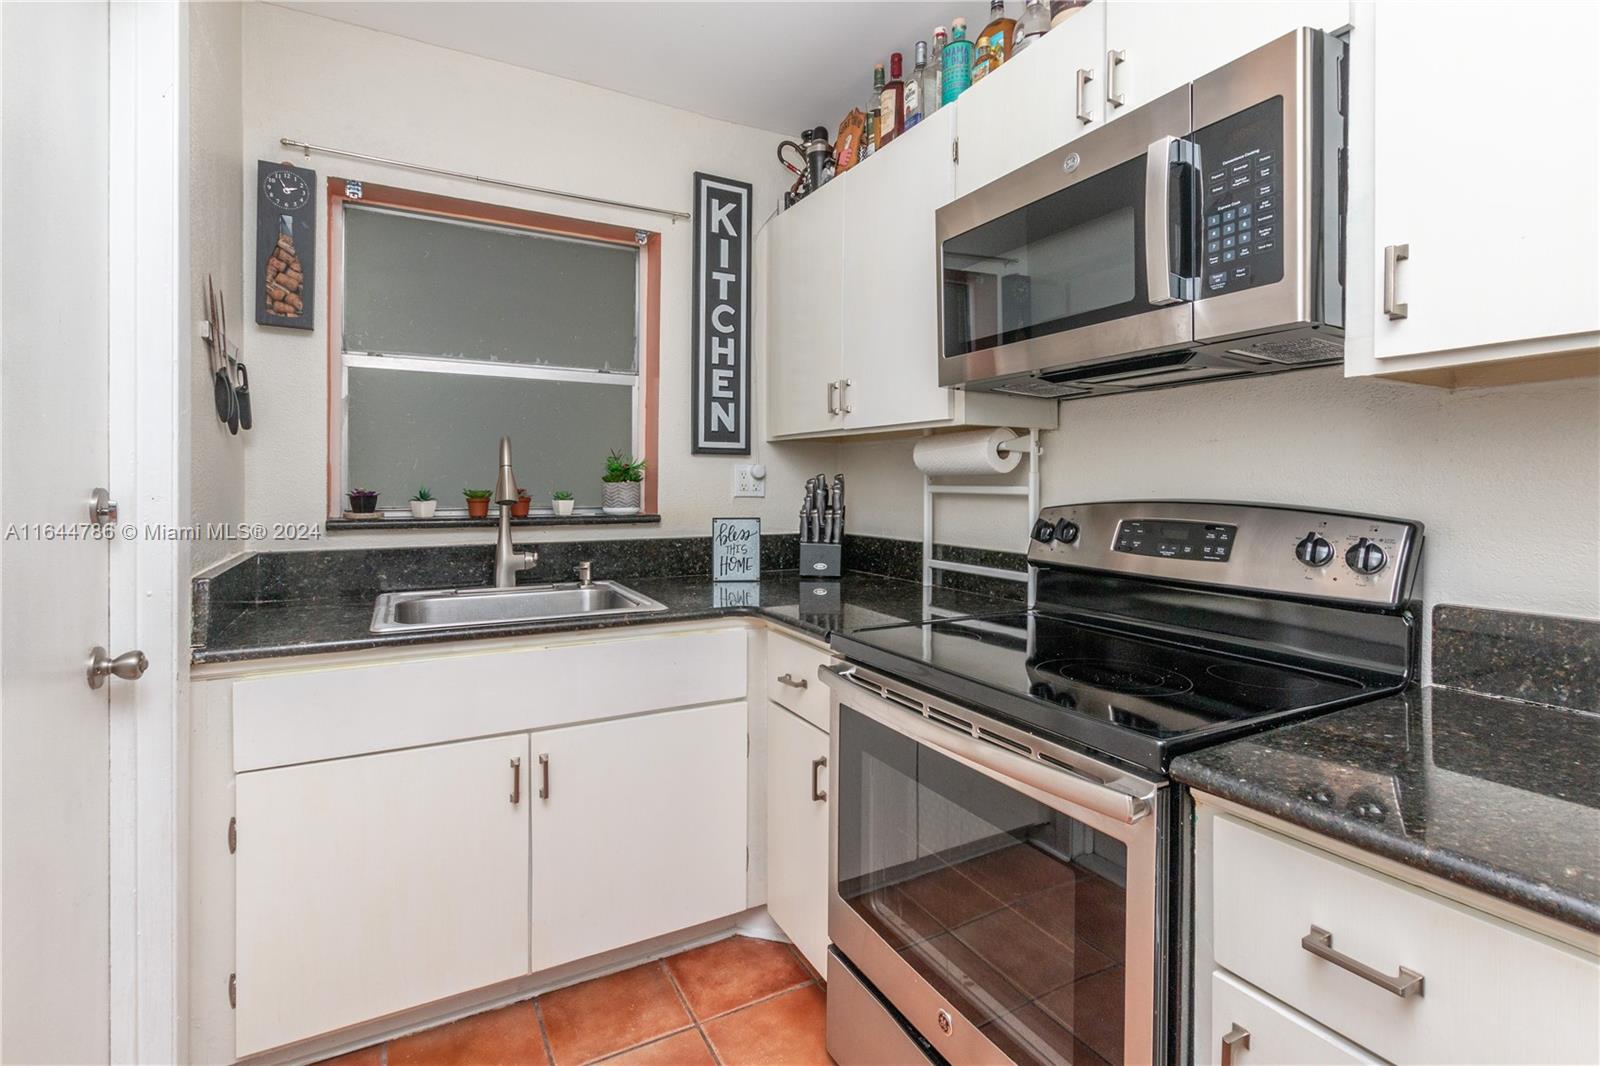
(640, 831)
(1496, 254)
(54, 730)
(1166, 43)
(805, 246)
(372, 884)
(891, 336)
(797, 832)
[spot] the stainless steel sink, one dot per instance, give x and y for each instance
(404, 612)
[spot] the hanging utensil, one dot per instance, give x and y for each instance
(227, 399)
(242, 397)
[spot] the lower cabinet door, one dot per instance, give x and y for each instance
(797, 832)
(638, 829)
(1249, 1028)
(372, 884)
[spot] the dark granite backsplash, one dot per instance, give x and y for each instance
(903, 559)
(1534, 657)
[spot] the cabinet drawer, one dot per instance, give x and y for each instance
(1273, 1035)
(1490, 992)
(792, 678)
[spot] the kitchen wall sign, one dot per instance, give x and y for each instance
(286, 229)
(721, 316)
(736, 549)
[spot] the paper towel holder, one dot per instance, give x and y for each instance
(1022, 445)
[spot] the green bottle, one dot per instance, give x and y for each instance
(956, 63)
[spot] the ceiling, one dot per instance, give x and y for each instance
(780, 66)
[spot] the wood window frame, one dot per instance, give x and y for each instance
(342, 191)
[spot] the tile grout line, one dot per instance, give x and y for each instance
(764, 999)
(544, 1034)
(693, 1017)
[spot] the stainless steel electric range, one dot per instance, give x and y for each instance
(1008, 865)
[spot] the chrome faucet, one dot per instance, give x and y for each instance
(508, 562)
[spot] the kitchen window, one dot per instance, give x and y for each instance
(454, 323)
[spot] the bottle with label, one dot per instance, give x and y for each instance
(1062, 10)
(1034, 24)
(994, 43)
(892, 101)
(919, 89)
(955, 63)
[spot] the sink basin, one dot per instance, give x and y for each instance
(404, 612)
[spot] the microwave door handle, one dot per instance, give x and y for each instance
(1165, 287)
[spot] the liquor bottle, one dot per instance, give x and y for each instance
(891, 101)
(874, 135)
(936, 64)
(994, 43)
(1034, 24)
(1062, 10)
(955, 63)
(919, 88)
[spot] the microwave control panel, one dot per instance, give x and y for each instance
(1241, 196)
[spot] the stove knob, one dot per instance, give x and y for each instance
(1066, 532)
(1366, 557)
(1313, 550)
(1044, 531)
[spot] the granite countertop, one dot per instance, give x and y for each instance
(1494, 794)
(306, 626)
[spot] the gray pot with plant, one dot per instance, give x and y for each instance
(621, 487)
(561, 502)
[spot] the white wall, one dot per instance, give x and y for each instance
(216, 247)
(1507, 480)
(325, 82)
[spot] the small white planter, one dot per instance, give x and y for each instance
(423, 508)
(562, 507)
(620, 497)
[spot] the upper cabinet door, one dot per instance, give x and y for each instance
(1154, 46)
(805, 255)
(1484, 163)
(891, 346)
(1033, 103)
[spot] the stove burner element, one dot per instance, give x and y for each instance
(1252, 676)
(1111, 675)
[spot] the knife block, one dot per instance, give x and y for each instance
(820, 560)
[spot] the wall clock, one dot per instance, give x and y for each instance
(286, 229)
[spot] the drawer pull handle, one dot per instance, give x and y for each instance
(817, 794)
(516, 782)
(1237, 1036)
(1320, 943)
(789, 679)
(544, 777)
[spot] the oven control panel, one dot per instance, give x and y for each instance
(1241, 173)
(1287, 551)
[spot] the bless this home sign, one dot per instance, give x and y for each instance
(721, 316)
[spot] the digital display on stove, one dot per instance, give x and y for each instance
(1200, 541)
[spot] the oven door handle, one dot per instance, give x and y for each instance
(1058, 780)
(1164, 285)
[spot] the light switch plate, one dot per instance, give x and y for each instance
(747, 483)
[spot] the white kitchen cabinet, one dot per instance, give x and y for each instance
(1474, 217)
(797, 832)
(1154, 46)
(805, 315)
(372, 884)
(1032, 104)
(1257, 1031)
(638, 829)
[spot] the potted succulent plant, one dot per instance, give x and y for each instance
(620, 487)
(561, 502)
(477, 502)
(363, 501)
(423, 504)
(524, 503)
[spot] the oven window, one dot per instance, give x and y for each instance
(1011, 910)
(1069, 260)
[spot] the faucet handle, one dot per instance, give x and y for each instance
(585, 571)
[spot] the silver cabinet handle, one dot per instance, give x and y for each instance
(816, 788)
(544, 777)
(1237, 1036)
(1085, 76)
(1320, 943)
(1114, 59)
(833, 397)
(792, 681)
(844, 396)
(1393, 256)
(516, 781)
(130, 666)
(102, 508)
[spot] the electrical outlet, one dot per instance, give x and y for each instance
(750, 479)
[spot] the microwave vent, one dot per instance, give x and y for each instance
(1116, 369)
(1036, 387)
(1295, 349)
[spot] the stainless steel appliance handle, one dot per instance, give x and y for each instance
(1157, 239)
(1061, 781)
(1393, 256)
(1320, 943)
(1085, 76)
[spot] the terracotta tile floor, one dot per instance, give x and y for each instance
(735, 1002)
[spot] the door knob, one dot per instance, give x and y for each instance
(130, 666)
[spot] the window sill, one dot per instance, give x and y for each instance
(593, 518)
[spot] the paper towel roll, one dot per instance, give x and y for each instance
(966, 453)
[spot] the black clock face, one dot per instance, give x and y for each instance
(286, 190)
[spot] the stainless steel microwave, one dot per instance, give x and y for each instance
(1198, 237)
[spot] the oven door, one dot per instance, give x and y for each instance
(1086, 254)
(1004, 895)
